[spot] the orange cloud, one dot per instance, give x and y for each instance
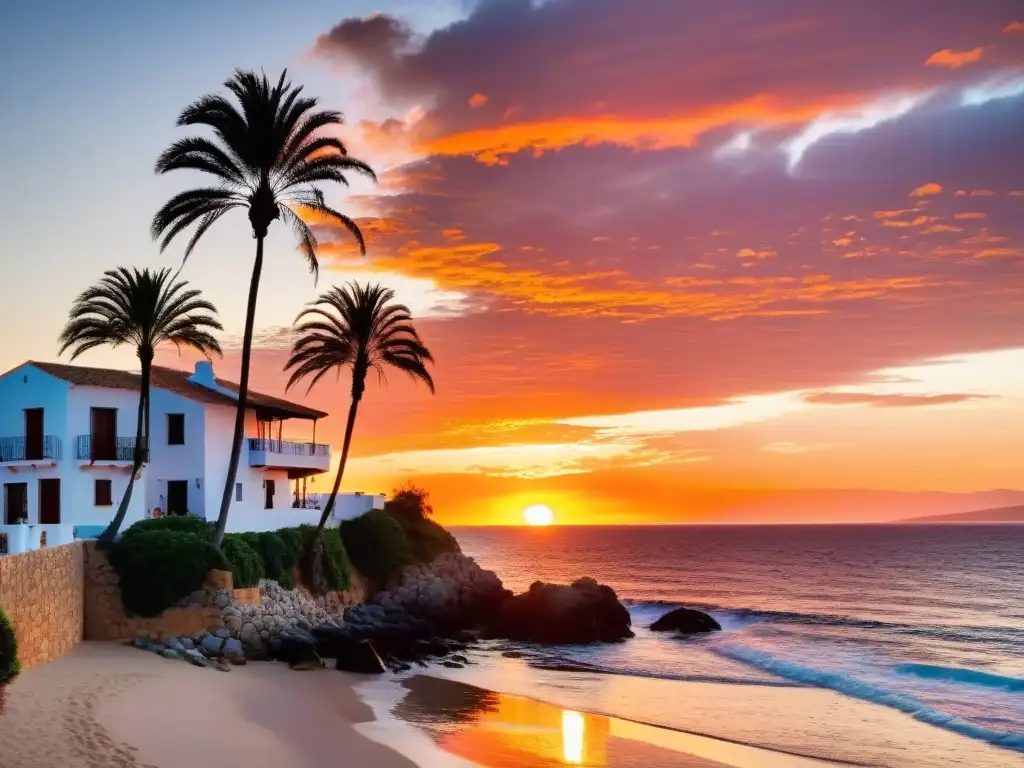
(1013, 27)
(955, 59)
(477, 100)
(968, 215)
(1016, 193)
(974, 193)
(750, 253)
(931, 188)
(491, 145)
(941, 228)
(918, 222)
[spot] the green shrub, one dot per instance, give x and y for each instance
(9, 664)
(245, 562)
(376, 544)
(157, 568)
(275, 554)
(324, 565)
(427, 539)
(291, 538)
(410, 503)
(184, 523)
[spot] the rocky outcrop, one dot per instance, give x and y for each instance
(687, 621)
(451, 589)
(279, 610)
(583, 612)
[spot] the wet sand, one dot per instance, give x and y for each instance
(107, 705)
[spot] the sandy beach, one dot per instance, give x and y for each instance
(109, 705)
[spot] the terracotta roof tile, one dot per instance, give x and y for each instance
(174, 380)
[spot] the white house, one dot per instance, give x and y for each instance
(67, 439)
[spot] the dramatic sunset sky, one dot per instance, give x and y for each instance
(677, 260)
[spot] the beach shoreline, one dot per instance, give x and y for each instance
(111, 705)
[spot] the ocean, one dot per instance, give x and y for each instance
(894, 646)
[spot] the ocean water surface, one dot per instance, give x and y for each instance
(897, 646)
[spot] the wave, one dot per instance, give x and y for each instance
(949, 632)
(961, 675)
(561, 664)
(859, 689)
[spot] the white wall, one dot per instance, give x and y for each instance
(78, 487)
(177, 462)
(29, 387)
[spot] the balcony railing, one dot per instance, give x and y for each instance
(88, 448)
(288, 448)
(22, 449)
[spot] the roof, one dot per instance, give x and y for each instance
(177, 381)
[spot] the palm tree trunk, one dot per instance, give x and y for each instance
(243, 396)
(122, 510)
(341, 464)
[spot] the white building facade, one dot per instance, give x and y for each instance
(67, 441)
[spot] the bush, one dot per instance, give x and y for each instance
(9, 664)
(244, 561)
(427, 539)
(409, 503)
(184, 523)
(275, 555)
(376, 544)
(157, 568)
(324, 565)
(291, 538)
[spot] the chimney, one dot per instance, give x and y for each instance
(204, 375)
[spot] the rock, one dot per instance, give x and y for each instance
(170, 653)
(157, 647)
(188, 643)
(451, 664)
(686, 620)
(212, 645)
(223, 633)
(174, 644)
(360, 657)
(221, 665)
(193, 656)
(457, 657)
(583, 612)
(512, 654)
(232, 649)
(142, 643)
(297, 650)
(330, 640)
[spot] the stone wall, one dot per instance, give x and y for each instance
(105, 617)
(42, 592)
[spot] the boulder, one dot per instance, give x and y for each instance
(330, 640)
(360, 657)
(212, 645)
(233, 651)
(298, 650)
(686, 620)
(583, 612)
(193, 656)
(175, 644)
(170, 653)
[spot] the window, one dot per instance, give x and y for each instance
(269, 500)
(238, 491)
(104, 493)
(175, 428)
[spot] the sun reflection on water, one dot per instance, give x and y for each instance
(573, 731)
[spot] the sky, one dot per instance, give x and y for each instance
(676, 260)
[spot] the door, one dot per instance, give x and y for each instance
(177, 497)
(15, 502)
(103, 439)
(269, 501)
(49, 501)
(33, 433)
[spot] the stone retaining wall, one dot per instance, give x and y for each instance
(105, 618)
(42, 592)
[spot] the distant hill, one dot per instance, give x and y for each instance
(997, 515)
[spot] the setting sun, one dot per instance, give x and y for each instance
(538, 514)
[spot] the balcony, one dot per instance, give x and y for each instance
(300, 459)
(24, 452)
(107, 451)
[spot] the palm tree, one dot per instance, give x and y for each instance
(357, 327)
(144, 309)
(269, 154)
